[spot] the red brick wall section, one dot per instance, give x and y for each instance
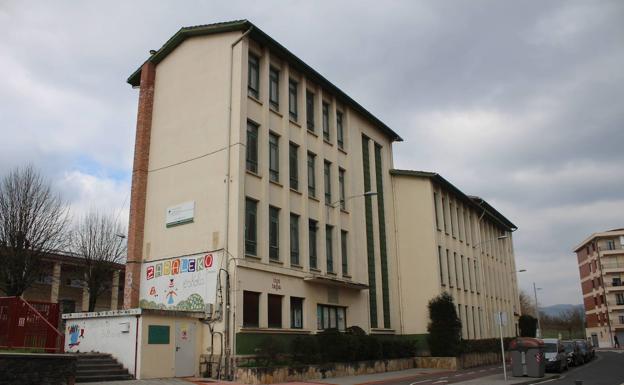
(586, 287)
(581, 255)
(589, 303)
(139, 186)
(592, 320)
(584, 270)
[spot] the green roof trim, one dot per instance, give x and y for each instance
(276, 48)
(474, 201)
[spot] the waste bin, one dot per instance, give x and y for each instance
(527, 357)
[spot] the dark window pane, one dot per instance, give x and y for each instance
(274, 157)
(292, 99)
(274, 233)
(341, 182)
(274, 88)
(311, 175)
(294, 239)
(250, 227)
(312, 244)
(343, 249)
(339, 130)
(326, 121)
(293, 160)
(253, 78)
(274, 310)
(252, 147)
(310, 110)
(251, 309)
(329, 248)
(296, 313)
(327, 180)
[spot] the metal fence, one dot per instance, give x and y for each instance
(30, 325)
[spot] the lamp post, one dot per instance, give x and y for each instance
(539, 325)
(339, 201)
(490, 240)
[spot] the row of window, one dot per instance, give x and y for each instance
(466, 313)
(252, 165)
(458, 272)
(251, 238)
(253, 90)
(327, 316)
(453, 219)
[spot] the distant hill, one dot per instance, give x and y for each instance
(555, 310)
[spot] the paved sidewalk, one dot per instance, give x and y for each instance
(378, 377)
(498, 379)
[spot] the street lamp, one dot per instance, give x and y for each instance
(539, 326)
(490, 240)
(366, 194)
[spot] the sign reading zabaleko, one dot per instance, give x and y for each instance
(185, 283)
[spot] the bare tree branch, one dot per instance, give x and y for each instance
(33, 222)
(97, 239)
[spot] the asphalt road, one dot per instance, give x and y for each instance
(444, 377)
(606, 369)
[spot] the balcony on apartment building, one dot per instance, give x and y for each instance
(614, 286)
(611, 265)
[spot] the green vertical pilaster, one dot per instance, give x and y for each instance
(370, 240)
(383, 253)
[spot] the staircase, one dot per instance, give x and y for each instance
(92, 367)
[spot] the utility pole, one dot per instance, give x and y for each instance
(539, 326)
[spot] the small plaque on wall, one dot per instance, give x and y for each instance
(158, 334)
(180, 214)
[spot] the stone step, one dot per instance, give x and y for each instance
(101, 366)
(100, 372)
(97, 378)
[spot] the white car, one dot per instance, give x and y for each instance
(555, 355)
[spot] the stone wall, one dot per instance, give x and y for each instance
(36, 368)
(261, 375)
(464, 361)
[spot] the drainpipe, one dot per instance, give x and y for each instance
(227, 201)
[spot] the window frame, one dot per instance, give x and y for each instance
(327, 181)
(247, 295)
(341, 188)
(329, 249)
(251, 66)
(322, 315)
(310, 110)
(293, 164)
(251, 155)
(340, 130)
(293, 99)
(344, 251)
(313, 244)
(274, 75)
(325, 119)
(274, 157)
(251, 243)
(274, 230)
(311, 174)
(296, 303)
(275, 321)
(294, 240)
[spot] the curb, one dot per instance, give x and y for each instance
(539, 380)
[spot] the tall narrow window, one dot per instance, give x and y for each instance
(293, 160)
(251, 309)
(457, 269)
(476, 273)
(435, 208)
(292, 99)
(274, 88)
(452, 214)
(274, 233)
(274, 310)
(329, 248)
(339, 130)
(250, 227)
(253, 76)
(311, 174)
(444, 215)
(326, 121)
(450, 268)
(312, 244)
(344, 251)
(294, 239)
(341, 187)
(296, 313)
(252, 147)
(274, 157)
(327, 180)
(442, 282)
(310, 110)
(464, 273)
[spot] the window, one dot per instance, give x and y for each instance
(452, 213)
(621, 319)
(251, 309)
(444, 215)
(292, 99)
(274, 88)
(327, 180)
(293, 160)
(460, 223)
(339, 130)
(310, 110)
(312, 243)
(252, 147)
(442, 282)
(274, 233)
(274, 310)
(294, 239)
(296, 313)
(274, 157)
(311, 174)
(464, 273)
(329, 248)
(619, 299)
(331, 317)
(436, 210)
(326, 121)
(343, 248)
(253, 76)
(476, 274)
(470, 277)
(341, 188)
(449, 267)
(457, 269)
(251, 207)
(610, 244)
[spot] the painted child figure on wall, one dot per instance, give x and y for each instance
(170, 292)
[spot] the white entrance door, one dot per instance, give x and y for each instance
(185, 349)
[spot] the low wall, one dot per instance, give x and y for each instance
(464, 361)
(36, 368)
(263, 375)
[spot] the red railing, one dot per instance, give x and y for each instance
(30, 325)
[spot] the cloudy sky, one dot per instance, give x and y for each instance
(521, 103)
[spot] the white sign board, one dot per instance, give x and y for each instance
(178, 214)
(185, 283)
(500, 318)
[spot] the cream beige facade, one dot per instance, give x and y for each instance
(450, 242)
(601, 267)
(290, 180)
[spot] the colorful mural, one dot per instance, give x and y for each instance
(185, 283)
(75, 334)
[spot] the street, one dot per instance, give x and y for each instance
(606, 369)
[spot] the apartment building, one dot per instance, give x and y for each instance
(449, 241)
(601, 267)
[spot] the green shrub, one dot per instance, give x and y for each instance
(268, 351)
(305, 350)
(444, 327)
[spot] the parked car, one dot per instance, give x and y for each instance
(586, 350)
(555, 355)
(573, 353)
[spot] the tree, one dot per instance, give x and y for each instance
(33, 222)
(526, 304)
(527, 325)
(97, 239)
(444, 327)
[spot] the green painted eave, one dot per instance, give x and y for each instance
(276, 49)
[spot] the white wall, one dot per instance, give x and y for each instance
(114, 334)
